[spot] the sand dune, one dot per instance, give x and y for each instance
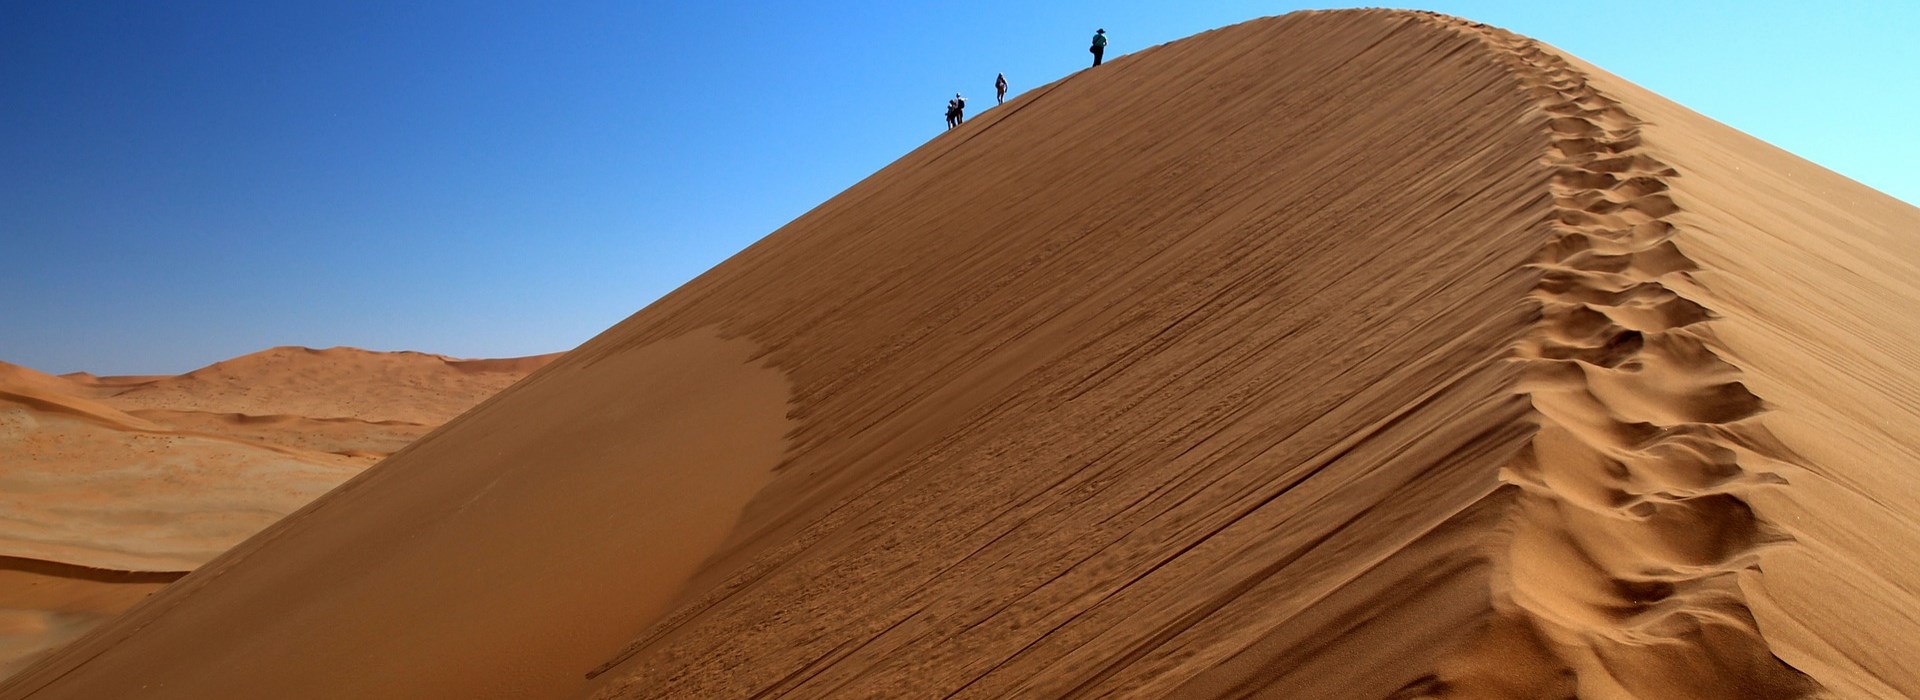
(103, 505)
(334, 383)
(1340, 354)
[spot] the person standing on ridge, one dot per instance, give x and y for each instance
(1000, 89)
(1099, 47)
(956, 110)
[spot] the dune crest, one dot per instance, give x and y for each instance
(1340, 354)
(1631, 529)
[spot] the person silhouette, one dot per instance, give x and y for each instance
(1000, 89)
(1099, 47)
(956, 110)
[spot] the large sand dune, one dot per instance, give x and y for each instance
(113, 486)
(1343, 354)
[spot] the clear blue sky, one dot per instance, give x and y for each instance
(185, 181)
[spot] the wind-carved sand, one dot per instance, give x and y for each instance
(1349, 354)
(1632, 526)
(112, 487)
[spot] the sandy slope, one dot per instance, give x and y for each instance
(508, 504)
(1812, 281)
(103, 505)
(1348, 354)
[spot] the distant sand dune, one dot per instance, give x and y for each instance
(1355, 354)
(323, 384)
(529, 489)
(101, 506)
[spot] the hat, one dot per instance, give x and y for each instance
(1099, 31)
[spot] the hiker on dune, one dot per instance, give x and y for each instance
(956, 110)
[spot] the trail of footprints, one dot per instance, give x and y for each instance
(1630, 531)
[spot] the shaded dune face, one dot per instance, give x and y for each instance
(1630, 531)
(1340, 354)
(1810, 282)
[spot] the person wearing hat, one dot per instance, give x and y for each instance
(1099, 47)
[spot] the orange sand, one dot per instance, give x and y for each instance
(1342, 354)
(113, 486)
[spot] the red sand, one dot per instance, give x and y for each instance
(114, 486)
(1341, 354)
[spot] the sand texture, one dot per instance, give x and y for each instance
(1354, 354)
(113, 486)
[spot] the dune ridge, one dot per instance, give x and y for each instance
(49, 393)
(1340, 354)
(47, 567)
(1090, 393)
(1631, 530)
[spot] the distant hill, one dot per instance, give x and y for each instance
(332, 383)
(113, 486)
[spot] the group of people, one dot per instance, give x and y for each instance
(956, 110)
(957, 107)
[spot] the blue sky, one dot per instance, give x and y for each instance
(186, 181)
